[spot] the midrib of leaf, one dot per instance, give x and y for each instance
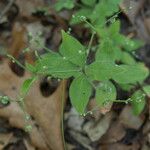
(64, 71)
(68, 59)
(81, 89)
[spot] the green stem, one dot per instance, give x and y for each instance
(16, 61)
(115, 101)
(113, 17)
(62, 115)
(92, 27)
(90, 43)
(37, 55)
(122, 101)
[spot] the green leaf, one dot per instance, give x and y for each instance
(72, 49)
(147, 90)
(138, 102)
(126, 43)
(88, 2)
(127, 87)
(76, 18)
(80, 91)
(105, 92)
(27, 85)
(131, 44)
(105, 51)
(100, 8)
(61, 4)
(103, 33)
(113, 5)
(102, 70)
(131, 74)
(108, 52)
(31, 68)
(114, 27)
(127, 58)
(118, 40)
(57, 66)
(110, 32)
(104, 8)
(123, 74)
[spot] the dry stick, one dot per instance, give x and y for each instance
(6, 9)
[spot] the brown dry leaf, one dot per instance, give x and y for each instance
(15, 41)
(5, 9)
(146, 128)
(45, 111)
(118, 146)
(98, 111)
(26, 8)
(91, 106)
(74, 120)
(115, 133)
(28, 145)
(145, 147)
(83, 140)
(4, 139)
(129, 120)
(15, 116)
(132, 9)
(106, 109)
(147, 24)
(70, 147)
(18, 39)
(95, 130)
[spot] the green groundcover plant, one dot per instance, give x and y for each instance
(114, 62)
(100, 75)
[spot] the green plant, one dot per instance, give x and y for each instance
(71, 61)
(94, 11)
(68, 4)
(114, 61)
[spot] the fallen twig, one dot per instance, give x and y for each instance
(6, 9)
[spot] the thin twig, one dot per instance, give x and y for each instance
(6, 9)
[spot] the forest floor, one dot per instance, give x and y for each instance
(113, 128)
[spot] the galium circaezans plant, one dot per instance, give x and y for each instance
(114, 60)
(71, 61)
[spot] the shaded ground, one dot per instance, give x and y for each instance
(118, 129)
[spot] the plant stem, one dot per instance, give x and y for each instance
(16, 61)
(113, 17)
(62, 115)
(90, 43)
(92, 27)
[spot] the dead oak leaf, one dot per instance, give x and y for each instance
(46, 111)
